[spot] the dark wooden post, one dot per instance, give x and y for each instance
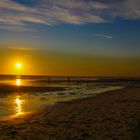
(68, 79)
(48, 79)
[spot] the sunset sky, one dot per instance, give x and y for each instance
(70, 37)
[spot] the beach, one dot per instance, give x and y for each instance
(113, 115)
(69, 69)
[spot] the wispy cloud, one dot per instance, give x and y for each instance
(104, 36)
(48, 12)
(16, 28)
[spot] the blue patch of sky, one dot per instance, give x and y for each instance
(27, 2)
(125, 37)
(82, 38)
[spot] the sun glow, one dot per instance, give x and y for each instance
(18, 65)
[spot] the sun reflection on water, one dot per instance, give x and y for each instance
(18, 82)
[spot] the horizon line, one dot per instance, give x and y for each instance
(40, 75)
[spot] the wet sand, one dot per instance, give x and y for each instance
(113, 115)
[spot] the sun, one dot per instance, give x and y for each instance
(18, 65)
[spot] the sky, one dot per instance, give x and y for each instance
(70, 37)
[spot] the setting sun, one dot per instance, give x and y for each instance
(18, 65)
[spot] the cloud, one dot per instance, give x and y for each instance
(50, 12)
(104, 36)
(19, 48)
(16, 28)
(128, 9)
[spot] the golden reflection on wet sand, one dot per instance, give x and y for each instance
(18, 106)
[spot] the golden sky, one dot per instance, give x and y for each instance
(46, 62)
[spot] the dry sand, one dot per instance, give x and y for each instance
(111, 116)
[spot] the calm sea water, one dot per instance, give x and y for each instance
(23, 94)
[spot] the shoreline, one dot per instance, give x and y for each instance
(93, 96)
(109, 115)
(59, 103)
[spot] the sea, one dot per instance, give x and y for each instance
(20, 95)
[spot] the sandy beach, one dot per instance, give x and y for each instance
(113, 115)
